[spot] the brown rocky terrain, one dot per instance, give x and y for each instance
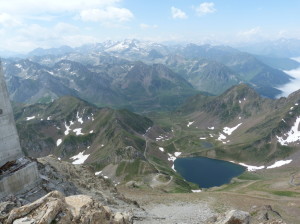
(67, 194)
(70, 193)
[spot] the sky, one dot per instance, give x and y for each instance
(29, 24)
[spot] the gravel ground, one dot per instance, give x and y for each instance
(178, 212)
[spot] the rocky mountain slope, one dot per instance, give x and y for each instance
(204, 74)
(241, 125)
(133, 85)
(114, 142)
(73, 194)
(165, 77)
(238, 125)
(249, 68)
(68, 194)
(70, 126)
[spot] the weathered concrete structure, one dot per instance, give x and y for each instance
(17, 174)
(20, 177)
(9, 140)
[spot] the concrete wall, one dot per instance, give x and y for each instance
(20, 181)
(10, 149)
(9, 140)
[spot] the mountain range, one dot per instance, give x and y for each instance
(140, 76)
(239, 125)
(130, 108)
(114, 116)
(134, 85)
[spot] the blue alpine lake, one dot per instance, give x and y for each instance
(207, 172)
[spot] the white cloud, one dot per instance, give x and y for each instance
(46, 6)
(250, 32)
(35, 32)
(8, 20)
(77, 40)
(205, 8)
(45, 10)
(146, 26)
(178, 13)
(31, 36)
(282, 33)
(107, 14)
(65, 28)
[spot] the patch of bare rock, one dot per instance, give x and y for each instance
(70, 194)
(258, 215)
(56, 208)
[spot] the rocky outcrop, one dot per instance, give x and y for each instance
(258, 215)
(266, 215)
(56, 208)
(236, 217)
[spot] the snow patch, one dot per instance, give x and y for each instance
(293, 135)
(30, 118)
(173, 167)
(58, 142)
(229, 131)
(98, 173)
(163, 138)
(78, 131)
(202, 138)
(177, 154)
(221, 137)
(148, 129)
(190, 123)
(161, 149)
(196, 191)
(79, 158)
(68, 129)
(279, 163)
(92, 131)
(173, 158)
(211, 128)
(252, 168)
(79, 119)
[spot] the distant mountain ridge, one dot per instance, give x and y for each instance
(140, 75)
(122, 84)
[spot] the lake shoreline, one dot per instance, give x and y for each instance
(194, 169)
